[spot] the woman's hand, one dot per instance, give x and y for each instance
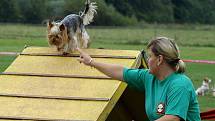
(112, 70)
(84, 57)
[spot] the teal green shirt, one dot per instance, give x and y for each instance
(175, 95)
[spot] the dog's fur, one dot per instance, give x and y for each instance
(70, 33)
(204, 88)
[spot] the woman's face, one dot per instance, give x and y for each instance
(152, 62)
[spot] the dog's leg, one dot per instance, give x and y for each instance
(66, 49)
(79, 37)
(73, 44)
(79, 40)
(76, 42)
(203, 93)
(85, 39)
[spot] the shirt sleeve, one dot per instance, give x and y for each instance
(178, 99)
(135, 78)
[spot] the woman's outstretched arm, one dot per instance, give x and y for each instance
(112, 70)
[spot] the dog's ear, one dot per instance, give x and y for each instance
(62, 27)
(50, 24)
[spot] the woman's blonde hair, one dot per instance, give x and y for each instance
(169, 49)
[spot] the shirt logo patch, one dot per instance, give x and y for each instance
(161, 108)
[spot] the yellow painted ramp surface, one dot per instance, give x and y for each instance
(41, 84)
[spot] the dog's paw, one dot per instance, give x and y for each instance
(59, 49)
(65, 53)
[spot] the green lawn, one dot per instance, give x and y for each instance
(195, 42)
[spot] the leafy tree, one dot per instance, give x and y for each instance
(33, 11)
(122, 6)
(207, 13)
(189, 11)
(106, 14)
(55, 9)
(9, 11)
(148, 10)
(111, 12)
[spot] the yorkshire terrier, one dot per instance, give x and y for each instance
(70, 33)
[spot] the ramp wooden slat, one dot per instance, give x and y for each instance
(57, 87)
(44, 50)
(13, 120)
(45, 109)
(54, 97)
(58, 65)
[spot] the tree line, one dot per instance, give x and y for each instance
(111, 12)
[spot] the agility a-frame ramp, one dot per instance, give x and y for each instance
(43, 85)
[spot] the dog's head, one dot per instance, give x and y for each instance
(207, 80)
(57, 35)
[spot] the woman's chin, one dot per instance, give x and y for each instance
(150, 71)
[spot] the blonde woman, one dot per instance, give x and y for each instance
(170, 95)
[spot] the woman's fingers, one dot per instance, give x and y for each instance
(79, 50)
(84, 57)
(80, 60)
(82, 54)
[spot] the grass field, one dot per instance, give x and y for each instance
(195, 42)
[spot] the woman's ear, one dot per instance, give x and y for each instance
(160, 59)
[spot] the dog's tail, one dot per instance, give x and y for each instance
(88, 14)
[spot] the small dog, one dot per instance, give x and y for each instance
(204, 88)
(70, 33)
